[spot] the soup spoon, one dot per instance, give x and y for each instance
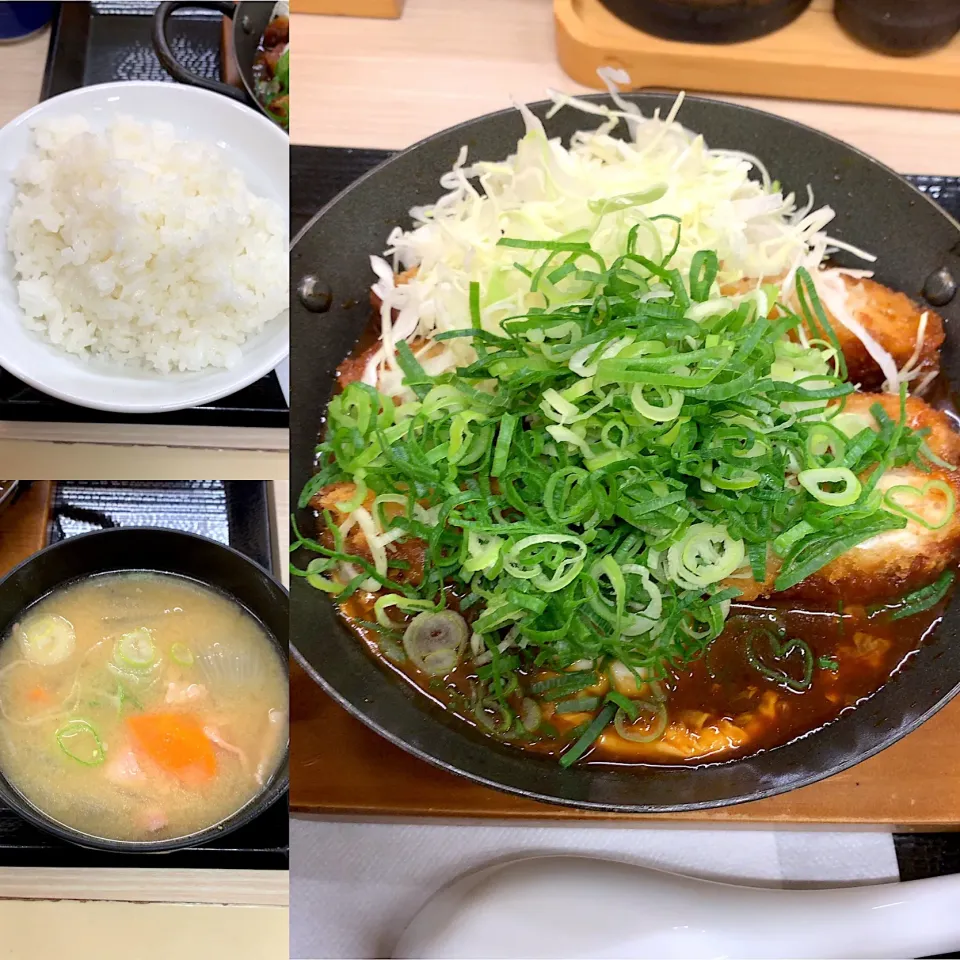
(581, 907)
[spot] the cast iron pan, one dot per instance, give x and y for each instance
(165, 551)
(250, 19)
(876, 210)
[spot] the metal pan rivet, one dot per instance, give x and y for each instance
(940, 287)
(246, 25)
(314, 294)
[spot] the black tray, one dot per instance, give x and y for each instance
(233, 512)
(96, 43)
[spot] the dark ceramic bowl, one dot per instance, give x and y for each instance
(162, 551)
(900, 28)
(707, 21)
(876, 210)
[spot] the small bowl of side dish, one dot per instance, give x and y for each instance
(143, 690)
(143, 246)
(678, 528)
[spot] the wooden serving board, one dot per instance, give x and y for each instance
(229, 68)
(811, 59)
(23, 525)
(339, 766)
(384, 9)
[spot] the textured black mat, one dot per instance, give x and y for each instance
(234, 512)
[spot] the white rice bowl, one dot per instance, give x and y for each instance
(147, 268)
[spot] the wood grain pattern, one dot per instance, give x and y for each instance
(339, 766)
(265, 888)
(388, 83)
(23, 525)
(385, 9)
(21, 67)
(229, 68)
(811, 58)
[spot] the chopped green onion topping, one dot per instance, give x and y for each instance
(925, 598)
(605, 469)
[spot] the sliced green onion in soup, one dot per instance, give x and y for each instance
(649, 725)
(136, 650)
(578, 705)
(47, 640)
(182, 654)
(925, 598)
(530, 714)
(79, 741)
(493, 716)
(435, 641)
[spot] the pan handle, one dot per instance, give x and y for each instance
(161, 44)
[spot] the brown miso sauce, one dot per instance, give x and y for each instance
(721, 691)
(867, 650)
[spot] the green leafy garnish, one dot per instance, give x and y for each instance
(924, 599)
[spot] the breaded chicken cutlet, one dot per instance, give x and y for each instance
(333, 498)
(891, 318)
(897, 561)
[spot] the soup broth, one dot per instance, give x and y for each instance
(140, 706)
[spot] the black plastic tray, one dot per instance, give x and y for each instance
(233, 512)
(99, 42)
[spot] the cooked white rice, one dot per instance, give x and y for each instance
(136, 247)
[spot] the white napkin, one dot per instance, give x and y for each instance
(354, 885)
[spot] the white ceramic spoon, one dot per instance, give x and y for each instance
(580, 907)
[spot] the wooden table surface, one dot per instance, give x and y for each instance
(387, 83)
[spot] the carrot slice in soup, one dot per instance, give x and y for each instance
(176, 743)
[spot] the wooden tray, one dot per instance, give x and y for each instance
(811, 59)
(339, 766)
(23, 525)
(385, 9)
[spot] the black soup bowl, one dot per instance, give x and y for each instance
(150, 549)
(918, 250)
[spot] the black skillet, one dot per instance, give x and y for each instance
(165, 551)
(918, 248)
(250, 19)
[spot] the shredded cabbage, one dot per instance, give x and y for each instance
(595, 190)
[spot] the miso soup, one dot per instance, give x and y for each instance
(140, 706)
